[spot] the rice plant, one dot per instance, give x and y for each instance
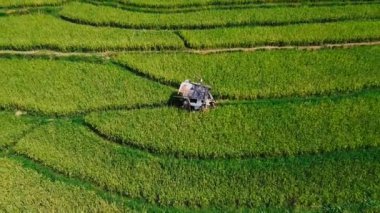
(308, 182)
(110, 16)
(202, 3)
(64, 86)
(26, 190)
(300, 34)
(266, 74)
(250, 129)
(12, 127)
(25, 33)
(23, 3)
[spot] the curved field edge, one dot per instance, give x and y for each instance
(25, 190)
(109, 16)
(67, 87)
(29, 3)
(156, 4)
(101, 56)
(308, 182)
(24, 33)
(264, 74)
(122, 203)
(13, 126)
(190, 9)
(52, 10)
(299, 34)
(250, 129)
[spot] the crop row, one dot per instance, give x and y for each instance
(250, 129)
(62, 86)
(193, 8)
(25, 190)
(12, 127)
(303, 182)
(301, 34)
(265, 74)
(25, 32)
(18, 3)
(202, 3)
(110, 16)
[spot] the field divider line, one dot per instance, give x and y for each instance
(24, 134)
(23, 7)
(216, 5)
(223, 98)
(108, 54)
(222, 101)
(208, 27)
(80, 113)
(185, 41)
(168, 154)
(51, 53)
(189, 9)
(146, 76)
(12, 10)
(334, 96)
(131, 145)
(186, 156)
(288, 47)
(80, 119)
(54, 174)
(33, 10)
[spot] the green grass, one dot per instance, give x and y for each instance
(309, 182)
(301, 34)
(266, 74)
(251, 129)
(18, 3)
(187, 3)
(13, 127)
(64, 87)
(25, 33)
(110, 16)
(25, 190)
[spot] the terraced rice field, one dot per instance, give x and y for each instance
(26, 3)
(87, 125)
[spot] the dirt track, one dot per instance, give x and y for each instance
(204, 51)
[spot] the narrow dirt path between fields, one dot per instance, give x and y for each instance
(107, 54)
(309, 47)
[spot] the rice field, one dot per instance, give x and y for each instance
(302, 34)
(70, 148)
(12, 128)
(201, 3)
(249, 129)
(26, 3)
(265, 74)
(24, 32)
(25, 190)
(87, 125)
(111, 16)
(67, 87)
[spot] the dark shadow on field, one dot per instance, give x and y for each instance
(145, 75)
(174, 101)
